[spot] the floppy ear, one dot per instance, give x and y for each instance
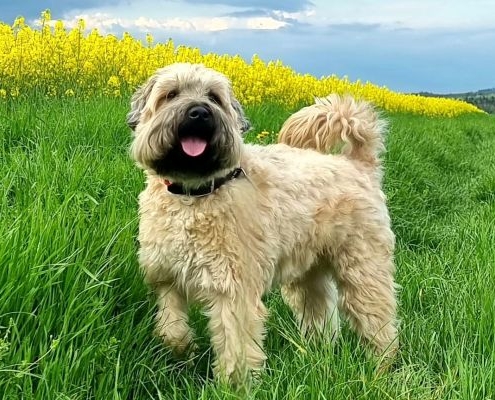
(241, 117)
(138, 101)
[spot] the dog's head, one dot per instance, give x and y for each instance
(187, 123)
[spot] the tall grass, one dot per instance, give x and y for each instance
(76, 319)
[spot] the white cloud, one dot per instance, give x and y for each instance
(264, 23)
(147, 23)
(409, 14)
(101, 21)
(215, 24)
(108, 24)
(224, 15)
(302, 16)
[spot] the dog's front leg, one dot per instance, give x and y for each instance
(171, 318)
(237, 330)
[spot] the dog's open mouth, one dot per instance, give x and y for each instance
(193, 146)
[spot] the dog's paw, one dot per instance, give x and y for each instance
(240, 378)
(182, 346)
(184, 350)
(386, 360)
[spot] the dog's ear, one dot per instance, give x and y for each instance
(241, 117)
(138, 101)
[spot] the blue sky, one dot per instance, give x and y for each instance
(406, 45)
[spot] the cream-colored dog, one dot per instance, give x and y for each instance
(222, 222)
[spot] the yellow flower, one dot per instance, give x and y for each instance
(81, 24)
(92, 64)
(149, 39)
(46, 16)
(262, 135)
(113, 81)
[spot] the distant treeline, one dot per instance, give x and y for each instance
(486, 103)
(483, 99)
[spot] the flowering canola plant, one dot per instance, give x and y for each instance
(56, 61)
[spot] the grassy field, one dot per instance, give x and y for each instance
(76, 319)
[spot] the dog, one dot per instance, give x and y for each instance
(222, 222)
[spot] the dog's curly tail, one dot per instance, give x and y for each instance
(337, 124)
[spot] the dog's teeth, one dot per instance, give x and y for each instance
(193, 146)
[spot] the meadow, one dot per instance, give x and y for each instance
(76, 319)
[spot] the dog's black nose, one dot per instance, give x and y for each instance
(199, 113)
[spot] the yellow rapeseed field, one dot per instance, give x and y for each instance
(57, 61)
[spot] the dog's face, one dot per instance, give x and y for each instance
(187, 123)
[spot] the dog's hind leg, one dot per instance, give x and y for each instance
(171, 319)
(313, 300)
(364, 274)
(237, 331)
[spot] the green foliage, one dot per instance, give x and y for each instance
(76, 319)
(483, 99)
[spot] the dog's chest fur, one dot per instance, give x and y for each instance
(259, 229)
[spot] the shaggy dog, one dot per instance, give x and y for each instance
(222, 222)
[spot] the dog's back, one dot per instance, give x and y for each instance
(337, 124)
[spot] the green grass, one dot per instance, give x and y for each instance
(76, 318)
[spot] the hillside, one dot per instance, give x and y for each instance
(483, 99)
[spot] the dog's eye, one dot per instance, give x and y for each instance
(171, 94)
(215, 98)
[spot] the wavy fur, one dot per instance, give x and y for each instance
(315, 225)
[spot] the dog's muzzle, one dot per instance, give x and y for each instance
(196, 130)
(199, 114)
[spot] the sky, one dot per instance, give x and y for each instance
(441, 46)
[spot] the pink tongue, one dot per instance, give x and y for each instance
(193, 146)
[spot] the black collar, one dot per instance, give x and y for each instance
(205, 190)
